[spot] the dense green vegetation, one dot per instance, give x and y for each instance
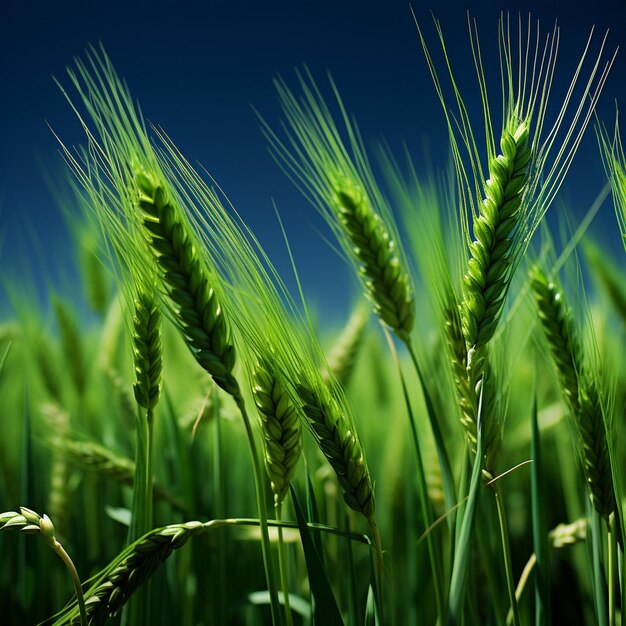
(202, 451)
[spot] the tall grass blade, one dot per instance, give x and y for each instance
(325, 609)
(543, 609)
(463, 550)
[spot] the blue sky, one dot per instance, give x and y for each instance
(196, 69)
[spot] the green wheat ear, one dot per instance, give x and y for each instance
(147, 350)
(281, 427)
(187, 282)
(340, 445)
(500, 211)
(332, 169)
(491, 253)
(344, 352)
(579, 389)
(385, 278)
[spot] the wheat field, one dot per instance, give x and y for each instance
(199, 445)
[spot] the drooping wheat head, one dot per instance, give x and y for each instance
(147, 223)
(339, 443)
(114, 586)
(188, 283)
(557, 324)
(93, 457)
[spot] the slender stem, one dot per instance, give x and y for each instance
(149, 501)
(380, 567)
(65, 557)
(442, 455)
(266, 546)
(612, 555)
(282, 566)
(135, 612)
(424, 502)
(220, 487)
(599, 591)
(506, 553)
(521, 584)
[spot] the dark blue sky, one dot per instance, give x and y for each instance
(197, 67)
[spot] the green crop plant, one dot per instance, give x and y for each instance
(458, 463)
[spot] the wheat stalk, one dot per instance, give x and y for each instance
(72, 346)
(30, 523)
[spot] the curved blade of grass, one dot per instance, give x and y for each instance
(599, 587)
(371, 617)
(325, 609)
(463, 548)
(313, 514)
(5, 354)
(111, 588)
(442, 455)
(299, 605)
(543, 613)
(426, 509)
